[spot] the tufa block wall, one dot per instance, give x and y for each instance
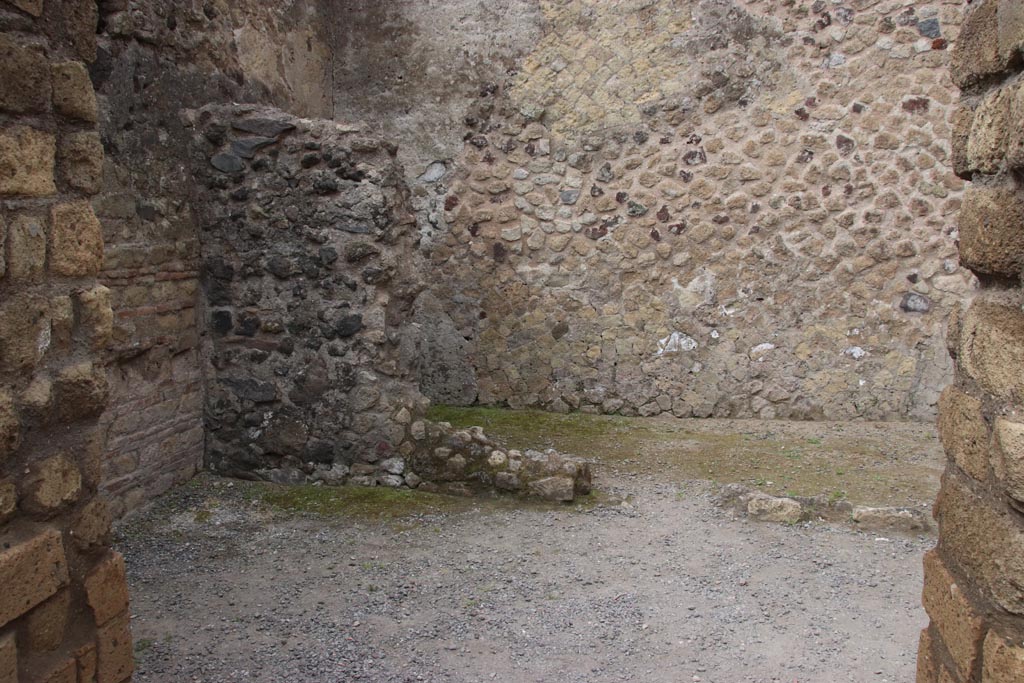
(64, 603)
(973, 579)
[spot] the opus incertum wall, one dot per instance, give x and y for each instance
(974, 579)
(707, 208)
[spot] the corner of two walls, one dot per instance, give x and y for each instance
(732, 209)
(156, 60)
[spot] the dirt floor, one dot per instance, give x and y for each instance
(647, 581)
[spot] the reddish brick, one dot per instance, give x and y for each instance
(114, 651)
(107, 589)
(31, 570)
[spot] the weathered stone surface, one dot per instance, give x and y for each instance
(77, 240)
(27, 239)
(33, 7)
(51, 485)
(985, 541)
(114, 661)
(962, 123)
(24, 331)
(86, 661)
(45, 625)
(25, 73)
(10, 426)
(90, 529)
(926, 669)
(1014, 134)
(951, 613)
(73, 95)
(889, 519)
(976, 53)
(1009, 456)
(439, 354)
(8, 501)
(32, 568)
(991, 236)
(1003, 660)
(986, 146)
(555, 489)
(1010, 19)
(95, 316)
(81, 390)
(263, 126)
(964, 432)
(26, 162)
(771, 509)
(81, 161)
(62, 670)
(991, 348)
(106, 588)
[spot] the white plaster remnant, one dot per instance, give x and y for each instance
(855, 352)
(676, 343)
(761, 350)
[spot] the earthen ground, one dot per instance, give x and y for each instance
(648, 581)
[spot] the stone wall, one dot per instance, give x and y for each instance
(707, 208)
(309, 276)
(305, 240)
(974, 579)
(155, 58)
(64, 603)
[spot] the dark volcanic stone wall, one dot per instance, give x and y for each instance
(307, 283)
(154, 58)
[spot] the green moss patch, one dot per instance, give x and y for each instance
(868, 463)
